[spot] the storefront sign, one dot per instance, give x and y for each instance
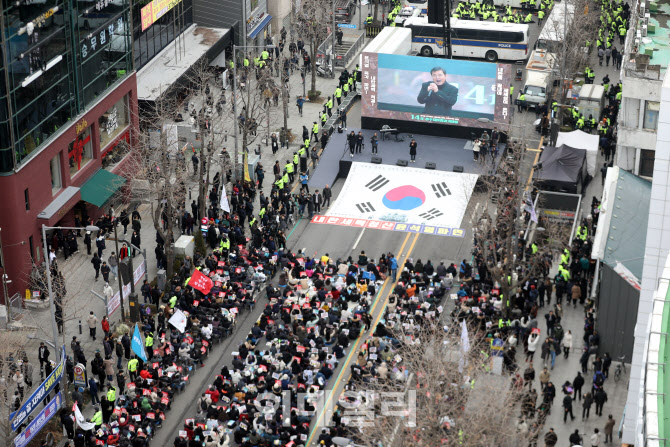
(99, 39)
(81, 126)
(253, 21)
(41, 19)
(80, 375)
(155, 10)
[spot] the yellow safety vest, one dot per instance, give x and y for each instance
(111, 395)
(132, 365)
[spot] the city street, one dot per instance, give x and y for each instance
(338, 242)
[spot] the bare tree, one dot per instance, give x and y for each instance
(502, 252)
(312, 24)
(159, 169)
(446, 395)
(210, 115)
(570, 37)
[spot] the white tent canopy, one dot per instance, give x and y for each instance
(582, 140)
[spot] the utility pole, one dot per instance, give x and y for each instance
(446, 27)
(5, 294)
(235, 122)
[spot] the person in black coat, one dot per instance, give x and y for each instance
(87, 242)
(351, 140)
(96, 265)
(135, 240)
(412, 150)
(438, 95)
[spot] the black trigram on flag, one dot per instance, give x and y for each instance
(441, 189)
(377, 183)
(432, 214)
(365, 207)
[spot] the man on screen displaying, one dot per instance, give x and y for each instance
(438, 95)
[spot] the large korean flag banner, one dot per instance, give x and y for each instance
(408, 195)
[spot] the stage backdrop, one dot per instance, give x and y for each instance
(407, 195)
(429, 90)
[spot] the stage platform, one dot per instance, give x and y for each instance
(445, 152)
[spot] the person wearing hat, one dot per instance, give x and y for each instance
(97, 417)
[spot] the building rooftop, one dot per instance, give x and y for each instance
(650, 54)
(622, 226)
(158, 75)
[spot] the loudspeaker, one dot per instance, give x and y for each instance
(376, 160)
(430, 165)
(401, 162)
(458, 168)
(436, 11)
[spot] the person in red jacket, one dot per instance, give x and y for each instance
(213, 394)
(105, 326)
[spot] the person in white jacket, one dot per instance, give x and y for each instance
(567, 343)
(108, 291)
(533, 339)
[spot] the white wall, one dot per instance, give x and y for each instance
(657, 248)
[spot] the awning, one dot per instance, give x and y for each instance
(260, 26)
(99, 188)
(64, 201)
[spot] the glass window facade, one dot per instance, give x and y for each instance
(57, 57)
(114, 122)
(153, 39)
(56, 182)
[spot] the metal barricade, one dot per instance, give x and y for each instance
(16, 306)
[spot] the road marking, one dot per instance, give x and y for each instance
(355, 348)
(358, 240)
(532, 169)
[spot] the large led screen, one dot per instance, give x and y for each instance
(430, 90)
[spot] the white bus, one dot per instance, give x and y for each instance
(471, 39)
(421, 5)
(553, 32)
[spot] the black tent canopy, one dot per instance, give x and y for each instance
(562, 169)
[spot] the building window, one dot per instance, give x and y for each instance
(646, 163)
(56, 182)
(651, 109)
(116, 153)
(26, 197)
(32, 248)
(80, 151)
(113, 122)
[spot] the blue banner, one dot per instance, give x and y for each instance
(138, 345)
(39, 422)
(19, 417)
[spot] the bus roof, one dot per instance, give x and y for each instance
(470, 24)
(554, 28)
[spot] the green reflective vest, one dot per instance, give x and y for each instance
(111, 394)
(173, 302)
(289, 167)
(97, 418)
(149, 341)
(285, 178)
(338, 92)
(225, 244)
(132, 365)
(315, 128)
(296, 159)
(280, 183)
